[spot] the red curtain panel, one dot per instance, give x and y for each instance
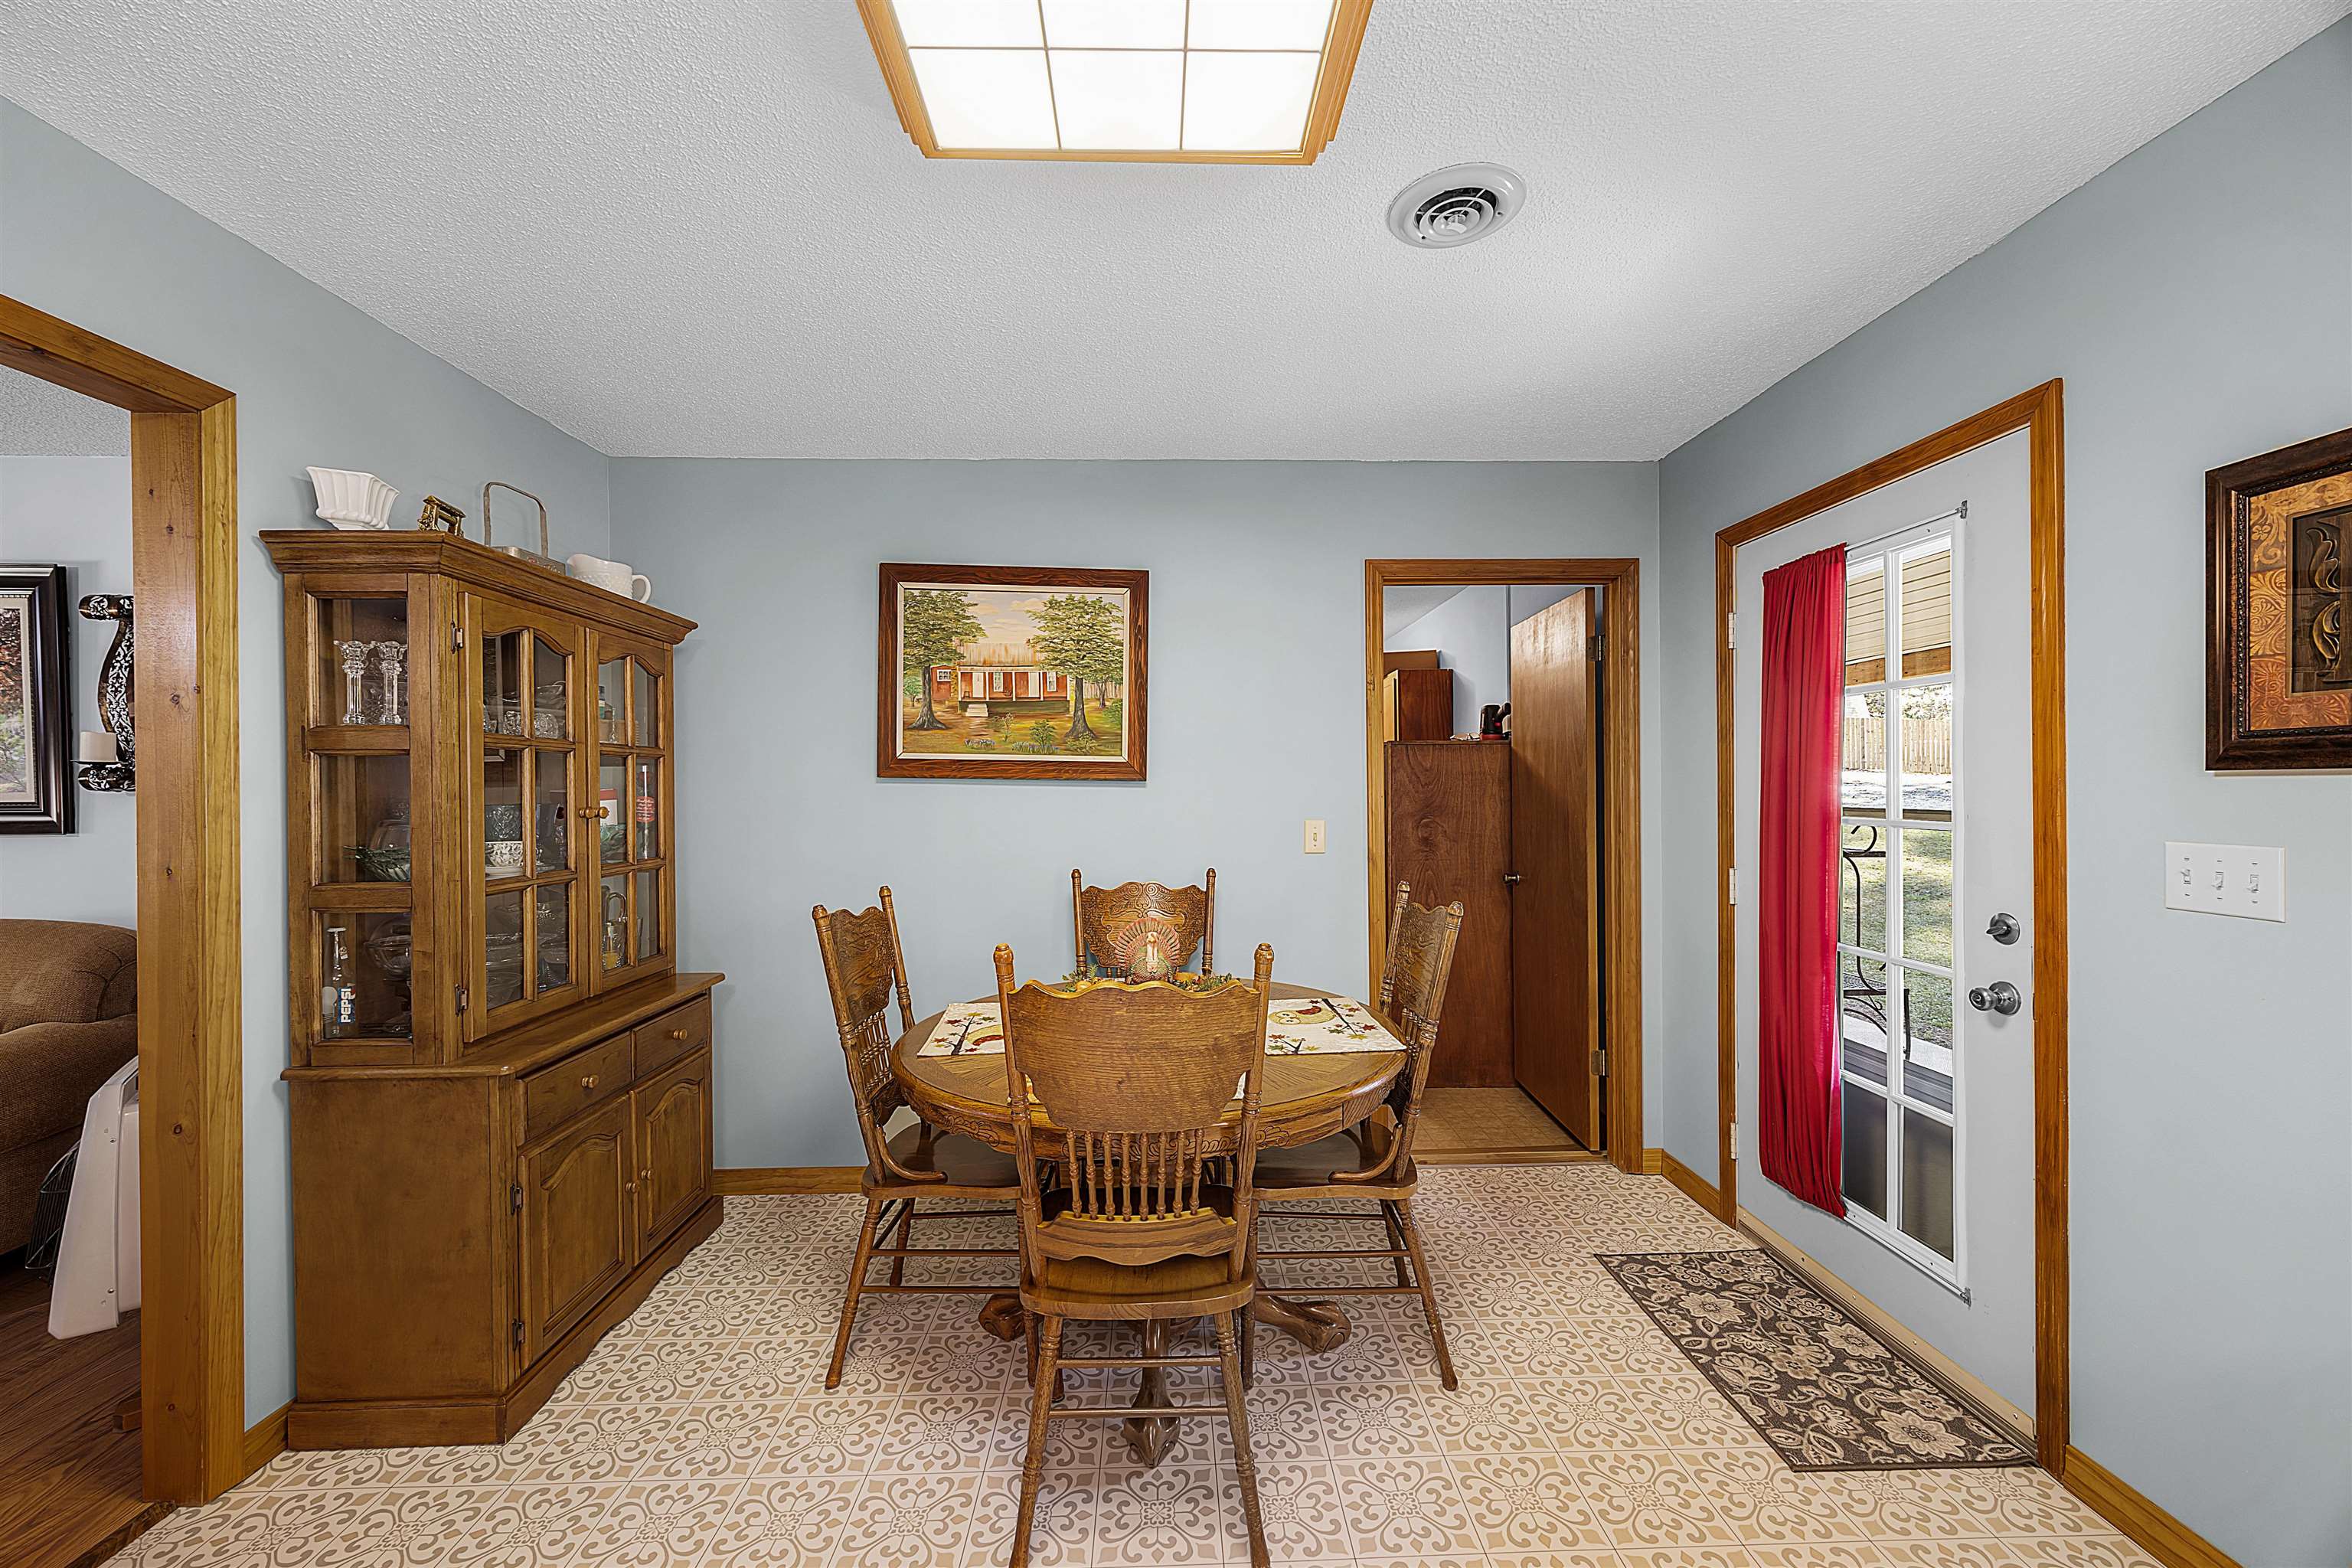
(1803, 670)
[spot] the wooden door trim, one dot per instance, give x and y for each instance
(183, 533)
(2040, 411)
(1620, 792)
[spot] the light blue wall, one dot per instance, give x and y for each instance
(74, 512)
(317, 383)
(2197, 298)
(1472, 630)
(1256, 699)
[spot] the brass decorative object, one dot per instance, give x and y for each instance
(440, 517)
(538, 557)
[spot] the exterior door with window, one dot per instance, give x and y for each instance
(1936, 878)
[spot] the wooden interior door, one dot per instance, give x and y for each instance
(579, 1222)
(1449, 835)
(1555, 854)
(672, 1115)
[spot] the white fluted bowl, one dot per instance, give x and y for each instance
(348, 499)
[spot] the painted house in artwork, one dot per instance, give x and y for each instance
(998, 674)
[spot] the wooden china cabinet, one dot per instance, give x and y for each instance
(501, 1083)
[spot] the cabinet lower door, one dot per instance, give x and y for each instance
(673, 1142)
(579, 1222)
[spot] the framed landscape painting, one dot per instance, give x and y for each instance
(36, 706)
(1011, 672)
(2278, 616)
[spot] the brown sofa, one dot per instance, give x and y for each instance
(68, 1018)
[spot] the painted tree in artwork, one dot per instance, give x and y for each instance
(1084, 636)
(934, 625)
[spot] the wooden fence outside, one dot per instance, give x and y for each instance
(1927, 748)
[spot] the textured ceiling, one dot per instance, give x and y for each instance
(40, 420)
(693, 227)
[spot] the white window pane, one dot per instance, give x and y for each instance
(969, 23)
(1114, 24)
(1260, 24)
(986, 97)
(1126, 98)
(1247, 104)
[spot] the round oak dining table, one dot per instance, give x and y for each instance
(1302, 1098)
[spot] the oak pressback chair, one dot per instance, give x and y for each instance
(1151, 1222)
(866, 970)
(1375, 1158)
(1137, 928)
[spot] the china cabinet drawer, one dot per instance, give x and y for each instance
(672, 1035)
(552, 1095)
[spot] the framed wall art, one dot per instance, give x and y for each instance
(1011, 672)
(2278, 608)
(36, 702)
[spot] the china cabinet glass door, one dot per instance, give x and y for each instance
(352, 964)
(523, 850)
(631, 725)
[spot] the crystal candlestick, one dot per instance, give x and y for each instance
(355, 658)
(390, 655)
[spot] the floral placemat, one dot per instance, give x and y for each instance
(1300, 1027)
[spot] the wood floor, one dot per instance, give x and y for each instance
(1490, 1127)
(68, 1473)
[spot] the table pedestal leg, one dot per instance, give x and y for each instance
(1001, 1315)
(1318, 1325)
(1149, 1438)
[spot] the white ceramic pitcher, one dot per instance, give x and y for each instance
(614, 576)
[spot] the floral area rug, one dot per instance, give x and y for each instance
(1822, 1389)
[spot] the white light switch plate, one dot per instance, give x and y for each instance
(2238, 880)
(1315, 836)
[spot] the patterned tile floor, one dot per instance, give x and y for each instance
(699, 1432)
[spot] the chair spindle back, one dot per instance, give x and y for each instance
(1136, 1079)
(1112, 925)
(1412, 995)
(864, 966)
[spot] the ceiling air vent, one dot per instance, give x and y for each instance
(1456, 205)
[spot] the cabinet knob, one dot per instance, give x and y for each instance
(588, 811)
(588, 1080)
(633, 1186)
(677, 1034)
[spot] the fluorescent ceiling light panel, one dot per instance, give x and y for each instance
(1259, 23)
(1114, 24)
(1118, 99)
(1249, 81)
(1248, 102)
(987, 97)
(970, 24)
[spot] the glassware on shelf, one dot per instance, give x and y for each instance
(391, 947)
(384, 858)
(390, 656)
(615, 922)
(356, 662)
(339, 996)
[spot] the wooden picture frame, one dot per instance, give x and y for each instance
(983, 700)
(36, 733)
(2278, 608)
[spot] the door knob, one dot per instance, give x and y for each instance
(2004, 929)
(2000, 998)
